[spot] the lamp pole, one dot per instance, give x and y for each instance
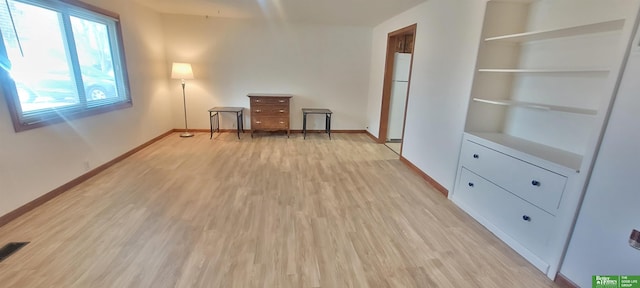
(184, 103)
(183, 71)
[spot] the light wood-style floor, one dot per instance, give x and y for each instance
(262, 212)
(395, 147)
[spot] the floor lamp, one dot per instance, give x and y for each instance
(183, 71)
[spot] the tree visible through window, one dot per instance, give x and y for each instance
(60, 61)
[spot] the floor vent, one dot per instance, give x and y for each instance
(10, 248)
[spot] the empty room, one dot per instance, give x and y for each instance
(335, 143)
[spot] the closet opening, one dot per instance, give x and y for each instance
(395, 91)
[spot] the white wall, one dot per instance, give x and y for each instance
(323, 66)
(599, 244)
(445, 52)
(37, 161)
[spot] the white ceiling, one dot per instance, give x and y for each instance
(334, 12)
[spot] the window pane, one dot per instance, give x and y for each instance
(96, 62)
(65, 59)
(40, 62)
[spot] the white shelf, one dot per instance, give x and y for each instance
(552, 155)
(561, 32)
(571, 70)
(538, 106)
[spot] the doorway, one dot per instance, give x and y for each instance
(395, 91)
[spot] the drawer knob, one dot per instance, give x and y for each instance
(258, 122)
(526, 218)
(535, 183)
(258, 111)
(281, 111)
(258, 101)
(281, 122)
(476, 156)
(281, 101)
(471, 184)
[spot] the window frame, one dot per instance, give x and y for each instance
(69, 8)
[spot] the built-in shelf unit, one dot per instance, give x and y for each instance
(546, 73)
(540, 106)
(583, 29)
(556, 70)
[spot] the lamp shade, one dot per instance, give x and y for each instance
(181, 71)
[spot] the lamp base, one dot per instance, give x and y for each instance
(186, 135)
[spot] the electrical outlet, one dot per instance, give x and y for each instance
(634, 239)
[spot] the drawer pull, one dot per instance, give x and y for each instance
(535, 183)
(258, 111)
(281, 101)
(258, 100)
(476, 156)
(281, 122)
(471, 184)
(281, 111)
(526, 218)
(258, 122)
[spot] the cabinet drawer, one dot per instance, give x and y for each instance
(269, 110)
(523, 222)
(269, 100)
(536, 185)
(270, 123)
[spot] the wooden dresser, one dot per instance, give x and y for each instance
(270, 112)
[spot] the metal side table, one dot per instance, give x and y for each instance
(327, 121)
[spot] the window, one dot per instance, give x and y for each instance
(60, 60)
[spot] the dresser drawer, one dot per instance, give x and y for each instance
(269, 110)
(269, 101)
(525, 223)
(536, 185)
(270, 123)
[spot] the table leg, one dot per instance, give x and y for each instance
(218, 122)
(211, 124)
(326, 123)
(304, 125)
(242, 120)
(329, 124)
(238, 124)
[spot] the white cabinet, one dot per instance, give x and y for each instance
(517, 200)
(546, 73)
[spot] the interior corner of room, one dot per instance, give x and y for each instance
(522, 112)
